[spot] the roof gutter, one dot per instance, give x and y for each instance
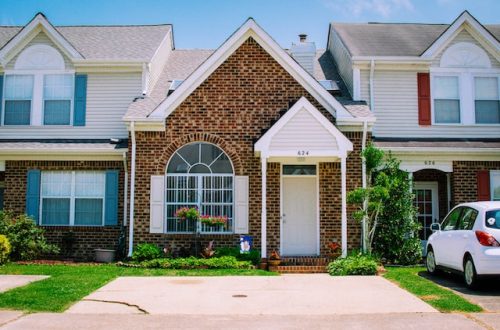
(132, 191)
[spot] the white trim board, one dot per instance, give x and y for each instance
(249, 29)
(262, 146)
(37, 24)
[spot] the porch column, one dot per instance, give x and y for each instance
(344, 205)
(263, 230)
(410, 178)
(448, 190)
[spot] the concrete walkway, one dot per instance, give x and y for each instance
(8, 282)
(318, 294)
(407, 321)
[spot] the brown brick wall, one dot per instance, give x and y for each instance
(465, 179)
(230, 109)
(86, 238)
(440, 178)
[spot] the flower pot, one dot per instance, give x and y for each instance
(274, 262)
(104, 255)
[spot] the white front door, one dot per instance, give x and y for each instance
(299, 225)
(426, 201)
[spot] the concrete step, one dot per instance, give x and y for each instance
(298, 269)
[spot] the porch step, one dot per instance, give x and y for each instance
(298, 269)
(304, 261)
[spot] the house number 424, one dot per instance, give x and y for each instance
(303, 153)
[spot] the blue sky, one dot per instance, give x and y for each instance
(207, 23)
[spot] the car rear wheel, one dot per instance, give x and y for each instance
(430, 262)
(470, 275)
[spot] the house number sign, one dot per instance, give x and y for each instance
(303, 153)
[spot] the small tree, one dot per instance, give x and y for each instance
(386, 207)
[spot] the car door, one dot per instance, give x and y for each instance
(461, 237)
(442, 240)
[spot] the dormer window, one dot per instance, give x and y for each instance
(465, 89)
(39, 90)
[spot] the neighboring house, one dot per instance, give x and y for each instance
(434, 89)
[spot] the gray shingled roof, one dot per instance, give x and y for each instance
(183, 62)
(381, 39)
(131, 42)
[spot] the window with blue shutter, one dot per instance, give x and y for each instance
(33, 194)
(80, 100)
(111, 198)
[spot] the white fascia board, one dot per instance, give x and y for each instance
(453, 30)
(390, 59)
(262, 145)
(67, 154)
(108, 62)
(39, 21)
(442, 150)
(250, 29)
(142, 125)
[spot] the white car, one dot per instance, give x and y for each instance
(467, 241)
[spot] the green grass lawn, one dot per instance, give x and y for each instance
(70, 283)
(438, 297)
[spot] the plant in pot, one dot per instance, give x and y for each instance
(214, 221)
(274, 259)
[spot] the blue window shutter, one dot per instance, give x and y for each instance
(80, 100)
(111, 201)
(33, 194)
(1, 95)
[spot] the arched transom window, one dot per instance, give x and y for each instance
(199, 175)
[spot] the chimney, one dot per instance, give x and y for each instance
(304, 52)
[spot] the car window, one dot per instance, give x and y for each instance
(493, 219)
(450, 222)
(467, 219)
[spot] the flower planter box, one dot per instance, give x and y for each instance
(104, 255)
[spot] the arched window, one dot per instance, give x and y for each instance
(199, 175)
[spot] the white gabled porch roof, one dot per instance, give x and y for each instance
(303, 131)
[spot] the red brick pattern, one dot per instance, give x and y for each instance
(230, 109)
(86, 238)
(465, 179)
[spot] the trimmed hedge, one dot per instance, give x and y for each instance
(4, 249)
(253, 256)
(353, 265)
(226, 262)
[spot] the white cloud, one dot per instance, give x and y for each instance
(357, 8)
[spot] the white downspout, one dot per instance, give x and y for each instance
(125, 189)
(372, 91)
(132, 192)
(364, 184)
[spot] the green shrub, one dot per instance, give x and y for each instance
(146, 251)
(253, 256)
(357, 264)
(226, 262)
(4, 249)
(26, 238)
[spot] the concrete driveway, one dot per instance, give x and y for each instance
(311, 294)
(487, 295)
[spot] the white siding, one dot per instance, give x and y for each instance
(464, 36)
(303, 132)
(40, 38)
(159, 60)
(342, 58)
(397, 111)
(365, 86)
(108, 97)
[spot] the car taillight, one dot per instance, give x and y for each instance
(486, 239)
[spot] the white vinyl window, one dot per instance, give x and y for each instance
(57, 96)
(199, 175)
(487, 100)
(446, 100)
(72, 198)
(18, 99)
(495, 185)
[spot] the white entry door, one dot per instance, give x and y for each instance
(299, 234)
(426, 200)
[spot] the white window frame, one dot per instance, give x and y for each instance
(466, 90)
(72, 201)
(492, 188)
(4, 99)
(484, 75)
(37, 99)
